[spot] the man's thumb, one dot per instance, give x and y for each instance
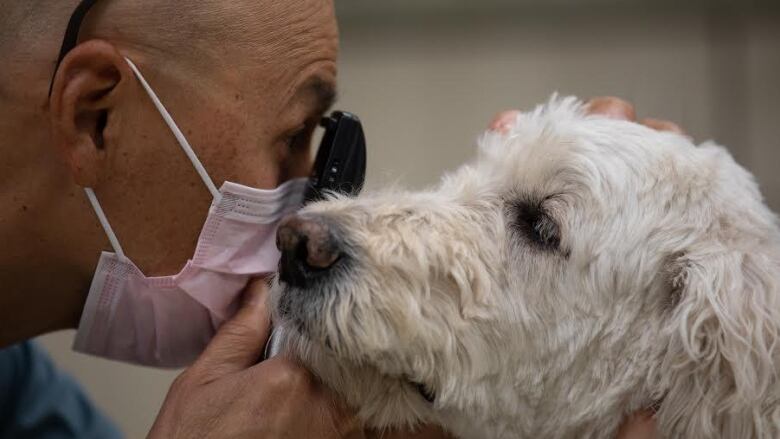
(239, 343)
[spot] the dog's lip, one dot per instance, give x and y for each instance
(426, 393)
(422, 389)
(300, 274)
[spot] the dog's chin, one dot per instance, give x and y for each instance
(299, 310)
(381, 400)
(341, 366)
(297, 306)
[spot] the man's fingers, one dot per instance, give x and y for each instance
(423, 432)
(503, 121)
(662, 125)
(640, 425)
(293, 388)
(240, 341)
(611, 107)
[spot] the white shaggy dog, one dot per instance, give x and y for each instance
(578, 270)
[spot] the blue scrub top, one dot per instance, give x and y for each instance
(37, 401)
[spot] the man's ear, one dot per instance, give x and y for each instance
(83, 98)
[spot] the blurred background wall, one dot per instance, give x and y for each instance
(427, 75)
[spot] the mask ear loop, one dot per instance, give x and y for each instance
(104, 222)
(112, 238)
(177, 133)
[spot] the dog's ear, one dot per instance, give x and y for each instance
(719, 370)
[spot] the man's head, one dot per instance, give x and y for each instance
(579, 269)
(246, 81)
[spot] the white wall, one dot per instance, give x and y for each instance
(426, 87)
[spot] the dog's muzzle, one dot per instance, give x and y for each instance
(309, 247)
(311, 250)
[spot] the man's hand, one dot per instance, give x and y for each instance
(424, 432)
(640, 425)
(613, 107)
(227, 394)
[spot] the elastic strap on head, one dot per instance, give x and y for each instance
(177, 133)
(71, 38)
(104, 222)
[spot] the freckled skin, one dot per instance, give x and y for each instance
(234, 102)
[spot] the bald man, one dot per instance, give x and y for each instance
(246, 81)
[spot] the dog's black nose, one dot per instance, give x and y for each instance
(308, 248)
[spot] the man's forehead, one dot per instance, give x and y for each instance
(296, 50)
(289, 27)
(238, 32)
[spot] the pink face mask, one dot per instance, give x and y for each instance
(167, 321)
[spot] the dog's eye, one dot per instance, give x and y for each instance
(536, 225)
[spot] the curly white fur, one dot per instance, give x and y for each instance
(648, 278)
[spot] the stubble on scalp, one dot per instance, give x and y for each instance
(190, 34)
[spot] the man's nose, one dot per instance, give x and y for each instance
(308, 245)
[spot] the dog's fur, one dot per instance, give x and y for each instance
(580, 269)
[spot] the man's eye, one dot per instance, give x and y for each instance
(295, 138)
(536, 225)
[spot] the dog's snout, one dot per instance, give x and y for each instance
(308, 245)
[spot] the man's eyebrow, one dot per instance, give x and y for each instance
(323, 92)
